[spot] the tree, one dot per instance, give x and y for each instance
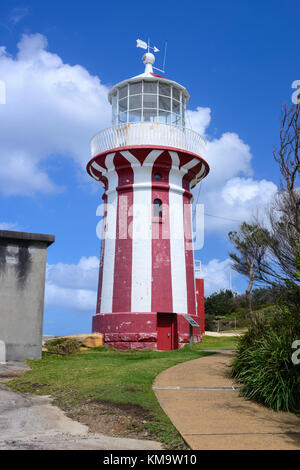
(282, 265)
(271, 253)
(219, 303)
(251, 247)
(263, 358)
(263, 296)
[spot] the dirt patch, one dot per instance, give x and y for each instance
(113, 419)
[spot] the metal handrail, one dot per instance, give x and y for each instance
(147, 133)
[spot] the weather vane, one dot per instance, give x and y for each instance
(145, 45)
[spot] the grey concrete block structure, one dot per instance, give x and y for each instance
(22, 288)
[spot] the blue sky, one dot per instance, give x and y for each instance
(237, 59)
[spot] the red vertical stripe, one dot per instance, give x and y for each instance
(123, 252)
(98, 308)
(161, 252)
(200, 303)
(189, 256)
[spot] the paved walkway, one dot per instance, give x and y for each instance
(204, 405)
(219, 335)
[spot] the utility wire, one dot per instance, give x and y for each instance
(225, 218)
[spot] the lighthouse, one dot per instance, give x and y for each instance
(147, 161)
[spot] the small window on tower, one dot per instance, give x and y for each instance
(157, 208)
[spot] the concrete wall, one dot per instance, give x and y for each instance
(22, 287)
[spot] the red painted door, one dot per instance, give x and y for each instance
(165, 331)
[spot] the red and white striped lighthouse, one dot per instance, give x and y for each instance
(147, 162)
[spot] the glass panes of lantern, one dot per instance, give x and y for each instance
(148, 101)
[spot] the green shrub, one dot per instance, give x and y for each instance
(63, 346)
(219, 303)
(263, 362)
(209, 322)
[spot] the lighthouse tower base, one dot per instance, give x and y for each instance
(161, 331)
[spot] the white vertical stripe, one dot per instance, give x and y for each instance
(110, 237)
(177, 247)
(141, 235)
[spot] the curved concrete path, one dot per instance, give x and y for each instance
(204, 405)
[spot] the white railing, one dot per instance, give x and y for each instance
(147, 133)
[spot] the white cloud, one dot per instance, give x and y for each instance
(73, 286)
(199, 120)
(216, 275)
(77, 299)
(240, 190)
(52, 108)
(18, 14)
(227, 157)
(237, 200)
(230, 193)
(7, 225)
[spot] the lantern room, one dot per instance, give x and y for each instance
(151, 99)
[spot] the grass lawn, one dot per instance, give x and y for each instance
(105, 384)
(215, 342)
(240, 330)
